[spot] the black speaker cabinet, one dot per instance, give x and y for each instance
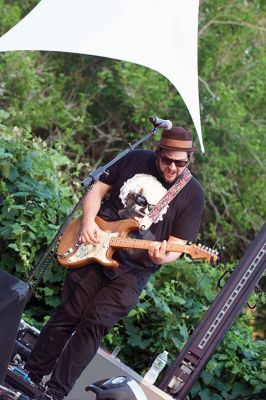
(13, 293)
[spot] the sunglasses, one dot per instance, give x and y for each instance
(142, 201)
(178, 163)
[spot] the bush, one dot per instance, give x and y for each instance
(37, 199)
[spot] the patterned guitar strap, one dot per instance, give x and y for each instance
(148, 219)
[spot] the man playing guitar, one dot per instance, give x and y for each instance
(94, 298)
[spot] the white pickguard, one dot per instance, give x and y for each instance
(97, 251)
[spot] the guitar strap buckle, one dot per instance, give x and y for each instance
(145, 223)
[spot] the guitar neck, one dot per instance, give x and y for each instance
(124, 243)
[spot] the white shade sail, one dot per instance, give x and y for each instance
(158, 34)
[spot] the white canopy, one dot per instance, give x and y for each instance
(159, 34)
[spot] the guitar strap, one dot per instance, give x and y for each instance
(148, 219)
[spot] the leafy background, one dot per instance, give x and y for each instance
(63, 115)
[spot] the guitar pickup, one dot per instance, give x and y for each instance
(66, 253)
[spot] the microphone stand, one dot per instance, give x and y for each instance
(88, 183)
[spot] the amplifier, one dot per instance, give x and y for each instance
(13, 294)
(26, 338)
(104, 366)
(27, 334)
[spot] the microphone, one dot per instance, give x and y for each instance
(161, 123)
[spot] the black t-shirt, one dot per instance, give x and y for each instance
(136, 187)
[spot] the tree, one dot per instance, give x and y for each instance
(231, 65)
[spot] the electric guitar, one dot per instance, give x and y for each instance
(72, 254)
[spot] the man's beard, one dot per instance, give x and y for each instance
(162, 174)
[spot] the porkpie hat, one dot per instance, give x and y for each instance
(177, 139)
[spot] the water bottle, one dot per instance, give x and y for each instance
(157, 366)
(115, 351)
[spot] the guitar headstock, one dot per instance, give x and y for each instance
(198, 251)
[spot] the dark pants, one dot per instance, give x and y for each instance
(91, 304)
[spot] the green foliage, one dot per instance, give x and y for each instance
(231, 66)
(170, 307)
(13, 11)
(10, 15)
(36, 201)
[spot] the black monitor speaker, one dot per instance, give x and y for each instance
(13, 294)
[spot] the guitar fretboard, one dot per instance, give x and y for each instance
(123, 243)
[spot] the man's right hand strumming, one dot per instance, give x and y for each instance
(90, 233)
